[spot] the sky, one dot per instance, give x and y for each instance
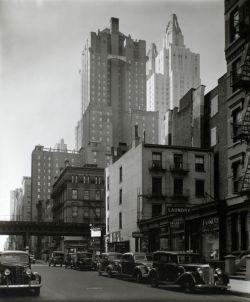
(40, 57)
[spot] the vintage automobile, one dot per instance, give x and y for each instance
(69, 260)
(108, 263)
(16, 273)
(56, 257)
(135, 265)
(83, 261)
(185, 270)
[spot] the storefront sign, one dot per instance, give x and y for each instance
(177, 210)
(137, 235)
(96, 232)
(210, 224)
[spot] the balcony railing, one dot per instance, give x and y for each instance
(240, 131)
(179, 168)
(241, 78)
(157, 166)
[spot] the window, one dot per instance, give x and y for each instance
(97, 195)
(156, 210)
(156, 186)
(199, 188)
(214, 106)
(85, 179)
(234, 25)
(178, 161)
(120, 220)
(74, 194)
(120, 174)
(178, 187)
(98, 212)
(156, 159)
(237, 116)
(86, 213)
(108, 183)
(213, 137)
(236, 169)
(108, 203)
(108, 224)
(86, 195)
(199, 163)
(96, 180)
(74, 211)
(120, 196)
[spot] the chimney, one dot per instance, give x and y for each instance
(114, 25)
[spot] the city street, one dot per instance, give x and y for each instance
(60, 284)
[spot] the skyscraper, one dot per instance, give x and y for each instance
(113, 94)
(171, 72)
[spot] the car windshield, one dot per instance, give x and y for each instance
(14, 258)
(140, 257)
(114, 257)
(189, 259)
(58, 254)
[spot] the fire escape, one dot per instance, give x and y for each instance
(240, 79)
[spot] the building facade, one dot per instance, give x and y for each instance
(113, 94)
(79, 197)
(171, 72)
(152, 181)
(46, 164)
(237, 52)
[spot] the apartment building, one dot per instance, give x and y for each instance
(149, 189)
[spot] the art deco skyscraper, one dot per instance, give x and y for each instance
(171, 72)
(113, 94)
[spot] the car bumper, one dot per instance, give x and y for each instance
(211, 287)
(13, 286)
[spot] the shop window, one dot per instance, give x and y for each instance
(234, 232)
(156, 210)
(178, 161)
(243, 230)
(74, 194)
(156, 186)
(120, 220)
(120, 196)
(199, 163)
(178, 187)
(199, 188)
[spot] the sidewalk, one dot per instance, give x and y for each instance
(239, 288)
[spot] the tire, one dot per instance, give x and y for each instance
(154, 281)
(37, 292)
(109, 273)
(138, 277)
(188, 286)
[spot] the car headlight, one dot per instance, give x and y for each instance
(218, 271)
(199, 271)
(7, 272)
(28, 271)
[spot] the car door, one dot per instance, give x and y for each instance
(124, 263)
(162, 267)
(171, 268)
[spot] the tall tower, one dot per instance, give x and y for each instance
(114, 94)
(170, 73)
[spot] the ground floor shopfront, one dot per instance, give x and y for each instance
(200, 229)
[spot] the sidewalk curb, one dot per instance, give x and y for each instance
(237, 293)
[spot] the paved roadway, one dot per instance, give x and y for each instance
(60, 284)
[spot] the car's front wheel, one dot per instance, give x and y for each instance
(154, 281)
(138, 277)
(188, 286)
(37, 291)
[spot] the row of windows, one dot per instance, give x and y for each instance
(87, 179)
(86, 195)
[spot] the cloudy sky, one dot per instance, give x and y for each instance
(40, 57)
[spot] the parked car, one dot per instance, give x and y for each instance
(135, 265)
(83, 260)
(69, 260)
(57, 257)
(185, 269)
(108, 263)
(16, 273)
